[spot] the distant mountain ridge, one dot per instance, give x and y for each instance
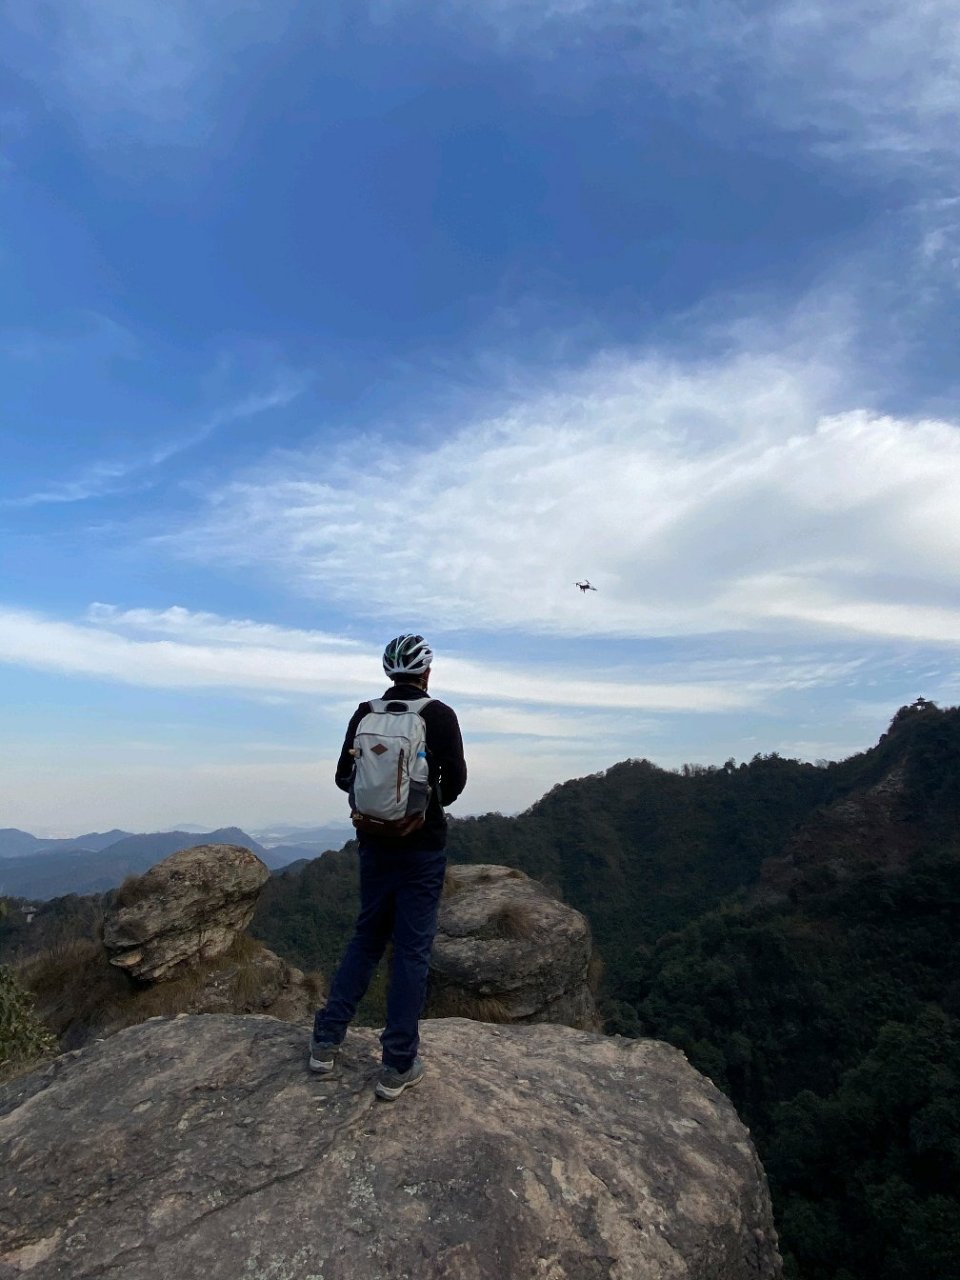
(17, 844)
(51, 869)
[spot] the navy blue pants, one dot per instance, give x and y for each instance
(399, 900)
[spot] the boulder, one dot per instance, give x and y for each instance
(202, 1148)
(506, 950)
(186, 909)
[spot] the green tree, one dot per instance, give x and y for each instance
(24, 1040)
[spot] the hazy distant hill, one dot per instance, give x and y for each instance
(14, 843)
(67, 867)
(18, 844)
(332, 836)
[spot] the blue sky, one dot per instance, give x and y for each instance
(323, 322)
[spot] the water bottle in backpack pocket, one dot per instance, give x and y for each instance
(390, 790)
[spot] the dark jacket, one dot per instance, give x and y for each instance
(446, 765)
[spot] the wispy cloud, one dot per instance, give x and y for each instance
(868, 78)
(202, 628)
(728, 496)
(105, 478)
(85, 337)
(526, 726)
(96, 481)
(136, 54)
(287, 389)
(210, 652)
(147, 68)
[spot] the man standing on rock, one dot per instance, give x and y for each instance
(401, 875)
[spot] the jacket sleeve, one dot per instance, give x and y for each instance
(344, 774)
(445, 744)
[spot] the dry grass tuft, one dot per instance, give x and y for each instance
(133, 890)
(243, 947)
(79, 993)
(513, 920)
(246, 986)
(161, 999)
(75, 986)
(455, 883)
(316, 985)
(450, 1002)
(452, 884)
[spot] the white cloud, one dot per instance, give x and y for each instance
(703, 498)
(525, 729)
(195, 628)
(214, 653)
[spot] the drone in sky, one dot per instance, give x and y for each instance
(585, 585)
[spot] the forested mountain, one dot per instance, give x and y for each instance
(794, 929)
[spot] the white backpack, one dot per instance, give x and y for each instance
(390, 789)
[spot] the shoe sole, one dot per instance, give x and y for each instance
(390, 1095)
(323, 1066)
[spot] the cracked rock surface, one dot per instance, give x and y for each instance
(201, 1147)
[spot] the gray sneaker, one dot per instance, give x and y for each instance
(323, 1056)
(392, 1082)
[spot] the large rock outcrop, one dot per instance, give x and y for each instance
(186, 909)
(200, 1147)
(173, 943)
(507, 951)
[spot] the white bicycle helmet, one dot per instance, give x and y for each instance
(408, 655)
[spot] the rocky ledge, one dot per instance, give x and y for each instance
(201, 1147)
